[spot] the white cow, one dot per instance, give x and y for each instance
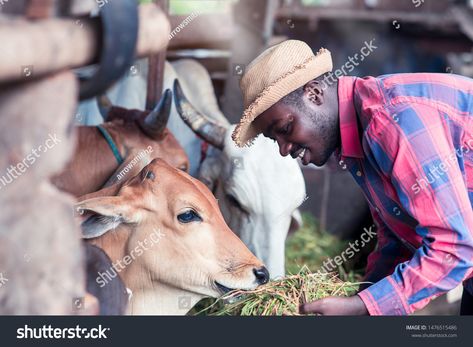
(258, 190)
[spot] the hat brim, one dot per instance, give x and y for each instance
(245, 132)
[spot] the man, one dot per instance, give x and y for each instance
(407, 139)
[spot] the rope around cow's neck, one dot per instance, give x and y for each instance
(111, 144)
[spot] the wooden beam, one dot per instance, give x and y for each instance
(253, 31)
(47, 46)
(315, 13)
(205, 31)
(39, 9)
(156, 68)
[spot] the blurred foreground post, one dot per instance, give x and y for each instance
(40, 256)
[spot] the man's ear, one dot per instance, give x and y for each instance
(107, 213)
(314, 92)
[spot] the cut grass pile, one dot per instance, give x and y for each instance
(281, 297)
(306, 251)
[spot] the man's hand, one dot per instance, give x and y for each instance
(334, 305)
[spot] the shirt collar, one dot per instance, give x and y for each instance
(349, 132)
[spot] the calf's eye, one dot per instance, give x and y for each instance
(189, 216)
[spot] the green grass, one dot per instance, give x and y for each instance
(306, 251)
(281, 297)
(309, 246)
(183, 7)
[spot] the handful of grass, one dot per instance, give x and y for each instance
(283, 296)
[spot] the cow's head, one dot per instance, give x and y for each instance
(181, 248)
(258, 190)
(145, 129)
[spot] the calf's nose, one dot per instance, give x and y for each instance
(262, 275)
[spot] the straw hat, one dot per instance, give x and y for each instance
(275, 73)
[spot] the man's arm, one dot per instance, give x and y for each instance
(388, 253)
(407, 151)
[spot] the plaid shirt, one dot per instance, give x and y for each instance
(407, 139)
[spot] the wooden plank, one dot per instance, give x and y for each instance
(314, 13)
(156, 68)
(46, 46)
(204, 31)
(39, 9)
(253, 31)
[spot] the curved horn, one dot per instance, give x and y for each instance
(155, 122)
(104, 104)
(208, 130)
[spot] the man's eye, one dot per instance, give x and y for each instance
(285, 130)
(189, 216)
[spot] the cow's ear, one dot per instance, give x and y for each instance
(209, 172)
(104, 214)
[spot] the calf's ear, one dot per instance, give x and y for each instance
(106, 213)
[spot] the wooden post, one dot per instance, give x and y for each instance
(156, 68)
(40, 254)
(39, 9)
(253, 30)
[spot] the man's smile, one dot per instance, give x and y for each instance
(302, 153)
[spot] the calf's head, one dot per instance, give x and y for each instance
(258, 190)
(180, 247)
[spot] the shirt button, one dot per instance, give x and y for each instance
(358, 173)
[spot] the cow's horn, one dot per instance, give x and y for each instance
(155, 122)
(208, 130)
(104, 104)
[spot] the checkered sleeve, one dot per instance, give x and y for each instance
(389, 252)
(408, 148)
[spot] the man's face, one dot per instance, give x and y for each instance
(307, 133)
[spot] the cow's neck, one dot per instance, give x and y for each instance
(162, 300)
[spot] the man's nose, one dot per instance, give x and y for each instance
(284, 147)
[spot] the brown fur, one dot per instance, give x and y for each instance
(189, 258)
(93, 161)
